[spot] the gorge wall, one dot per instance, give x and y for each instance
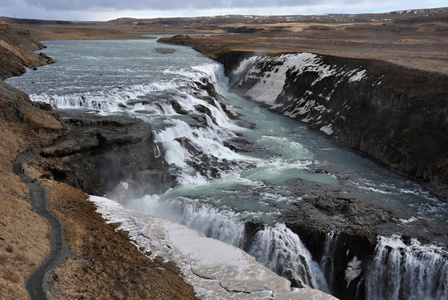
(395, 115)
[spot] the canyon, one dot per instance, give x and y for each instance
(368, 100)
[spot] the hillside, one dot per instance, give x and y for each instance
(23, 234)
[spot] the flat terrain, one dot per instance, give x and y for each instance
(416, 39)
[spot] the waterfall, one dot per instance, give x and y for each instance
(407, 271)
(327, 261)
(281, 250)
(221, 224)
(276, 247)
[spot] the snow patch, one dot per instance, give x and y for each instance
(358, 76)
(353, 270)
(410, 220)
(327, 129)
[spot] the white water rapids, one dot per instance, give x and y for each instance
(220, 189)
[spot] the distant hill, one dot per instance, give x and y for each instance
(41, 22)
(412, 14)
(402, 15)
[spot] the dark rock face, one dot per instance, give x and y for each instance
(338, 232)
(99, 152)
(395, 115)
(251, 228)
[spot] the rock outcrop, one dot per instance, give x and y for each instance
(395, 115)
(17, 48)
(101, 151)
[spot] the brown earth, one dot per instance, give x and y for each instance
(102, 31)
(23, 234)
(422, 46)
(418, 39)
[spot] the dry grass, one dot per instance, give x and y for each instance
(419, 45)
(23, 234)
(114, 268)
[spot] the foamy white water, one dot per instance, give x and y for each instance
(414, 271)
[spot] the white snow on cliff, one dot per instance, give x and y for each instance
(267, 76)
(270, 83)
(216, 270)
(357, 76)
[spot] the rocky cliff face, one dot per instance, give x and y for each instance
(341, 234)
(395, 115)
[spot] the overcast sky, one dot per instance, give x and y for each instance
(103, 10)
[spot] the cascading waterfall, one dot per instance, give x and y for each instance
(112, 100)
(281, 250)
(194, 147)
(215, 223)
(407, 271)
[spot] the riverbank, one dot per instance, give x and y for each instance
(106, 263)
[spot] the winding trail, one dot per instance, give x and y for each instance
(58, 250)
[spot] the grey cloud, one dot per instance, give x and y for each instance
(83, 5)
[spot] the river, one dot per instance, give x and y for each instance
(234, 170)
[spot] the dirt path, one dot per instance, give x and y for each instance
(58, 251)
